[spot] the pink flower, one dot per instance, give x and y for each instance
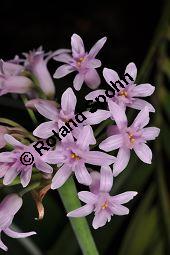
(9, 206)
(126, 95)
(37, 64)
(100, 201)
(128, 138)
(73, 155)
(14, 162)
(11, 79)
(59, 117)
(82, 62)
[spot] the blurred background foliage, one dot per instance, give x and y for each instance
(137, 31)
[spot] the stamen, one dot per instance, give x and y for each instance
(131, 137)
(105, 205)
(79, 61)
(123, 93)
(74, 156)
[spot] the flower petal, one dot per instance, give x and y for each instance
(10, 205)
(87, 197)
(77, 46)
(142, 119)
(92, 95)
(82, 211)
(10, 175)
(123, 197)
(95, 185)
(96, 117)
(61, 176)
(54, 157)
(63, 71)
(92, 79)
(86, 137)
(110, 76)
(143, 90)
(119, 209)
(26, 177)
(139, 104)
(82, 175)
(118, 114)
(44, 130)
(47, 108)
(93, 63)
(112, 143)
(42, 166)
(78, 81)
(68, 101)
(121, 161)
(143, 152)
(11, 140)
(98, 158)
(150, 133)
(64, 57)
(131, 70)
(97, 47)
(106, 179)
(14, 234)
(100, 219)
(3, 246)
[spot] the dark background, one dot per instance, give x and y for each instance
(24, 25)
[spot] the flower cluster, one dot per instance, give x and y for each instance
(74, 154)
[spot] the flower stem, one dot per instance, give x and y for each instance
(68, 194)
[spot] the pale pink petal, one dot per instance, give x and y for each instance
(131, 70)
(86, 137)
(93, 63)
(143, 152)
(3, 246)
(143, 90)
(142, 119)
(54, 157)
(121, 161)
(31, 103)
(97, 47)
(96, 117)
(118, 114)
(77, 46)
(42, 166)
(68, 101)
(10, 205)
(44, 130)
(82, 174)
(63, 71)
(61, 176)
(106, 179)
(3, 170)
(7, 157)
(10, 175)
(139, 104)
(17, 84)
(47, 108)
(100, 219)
(87, 197)
(65, 58)
(92, 95)
(11, 140)
(123, 197)
(78, 81)
(26, 177)
(14, 234)
(119, 209)
(82, 211)
(150, 133)
(98, 158)
(112, 143)
(112, 130)
(95, 185)
(110, 76)
(92, 79)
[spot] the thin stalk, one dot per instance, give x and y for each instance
(68, 194)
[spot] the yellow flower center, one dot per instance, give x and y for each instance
(79, 61)
(74, 156)
(131, 137)
(123, 93)
(105, 205)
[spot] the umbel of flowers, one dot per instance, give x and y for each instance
(74, 154)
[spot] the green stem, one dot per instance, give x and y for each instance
(30, 112)
(29, 188)
(68, 194)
